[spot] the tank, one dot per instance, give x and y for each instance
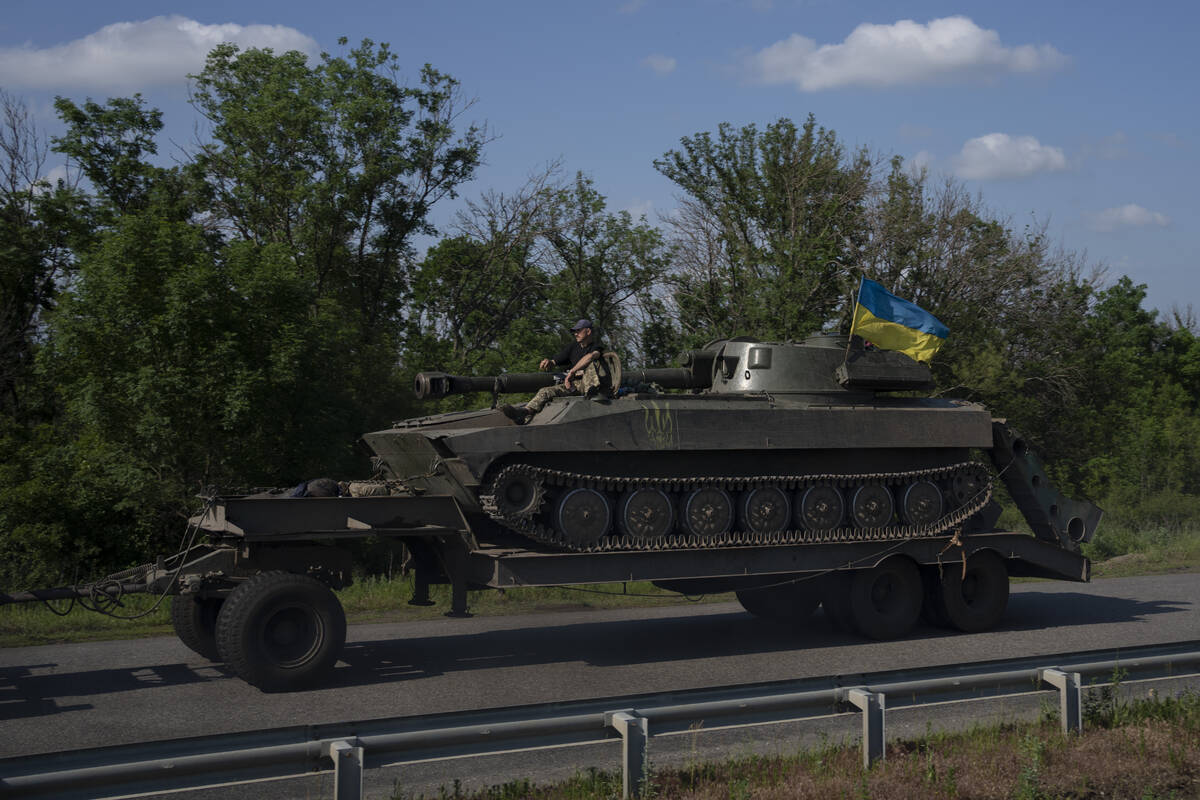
(745, 443)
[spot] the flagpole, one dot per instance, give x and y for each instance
(853, 319)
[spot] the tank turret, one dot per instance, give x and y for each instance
(746, 442)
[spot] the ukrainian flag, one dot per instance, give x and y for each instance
(894, 324)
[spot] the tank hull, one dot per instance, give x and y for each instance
(694, 471)
(683, 435)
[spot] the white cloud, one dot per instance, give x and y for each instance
(921, 160)
(640, 208)
(49, 181)
(660, 63)
(998, 155)
(1127, 216)
(903, 53)
(135, 55)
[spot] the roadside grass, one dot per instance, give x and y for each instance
(1119, 552)
(1145, 749)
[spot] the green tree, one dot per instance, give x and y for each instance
(602, 263)
(235, 321)
(111, 144)
(40, 223)
(337, 161)
(769, 220)
(479, 297)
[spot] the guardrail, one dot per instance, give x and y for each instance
(349, 748)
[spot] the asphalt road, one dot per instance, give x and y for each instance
(62, 697)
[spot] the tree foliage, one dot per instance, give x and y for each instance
(339, 162)
(769, 221)
(239, 319)
(233, 321)
(39, 224)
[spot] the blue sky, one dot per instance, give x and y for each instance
(1082, 114)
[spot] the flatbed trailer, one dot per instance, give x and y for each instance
(281, 557)
(258, 594)
(786, 473)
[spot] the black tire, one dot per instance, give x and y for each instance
(280, 631)
(933, 609)
(195, 622)
(976, 602)
(885, 601)
(789, 602)
(836, 601)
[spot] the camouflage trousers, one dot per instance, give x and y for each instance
(589, 381)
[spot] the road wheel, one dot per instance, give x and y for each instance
(707, 511)
(885, 601)
(819, 508)
(977, 601)
(765, 510)
(921, 503)
(195, 622)
(583, 516)
(646, 512)
(871, 506)
(280, 631)
(789, 602)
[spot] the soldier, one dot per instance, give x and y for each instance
(585, 355)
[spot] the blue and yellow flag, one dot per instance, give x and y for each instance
(894, 324)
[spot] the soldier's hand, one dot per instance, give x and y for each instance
(545, 363)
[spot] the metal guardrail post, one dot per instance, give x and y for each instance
(873, 705)
(635, 741)
(1070, 704)
(347, 759)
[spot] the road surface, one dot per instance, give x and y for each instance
(62, 697)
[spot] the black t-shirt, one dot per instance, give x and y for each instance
(569, 356)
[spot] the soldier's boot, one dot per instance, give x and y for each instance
(518, 415)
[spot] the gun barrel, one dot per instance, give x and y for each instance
(436, 385)
(695, 374)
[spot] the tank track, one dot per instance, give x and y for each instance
(530, 525)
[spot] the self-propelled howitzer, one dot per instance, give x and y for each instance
(770, 443)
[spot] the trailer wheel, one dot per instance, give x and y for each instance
(977, 601)
(280, 631)
(933, 609)
(791, 602)
(836, 601)
(885, 600)
(195, 622)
